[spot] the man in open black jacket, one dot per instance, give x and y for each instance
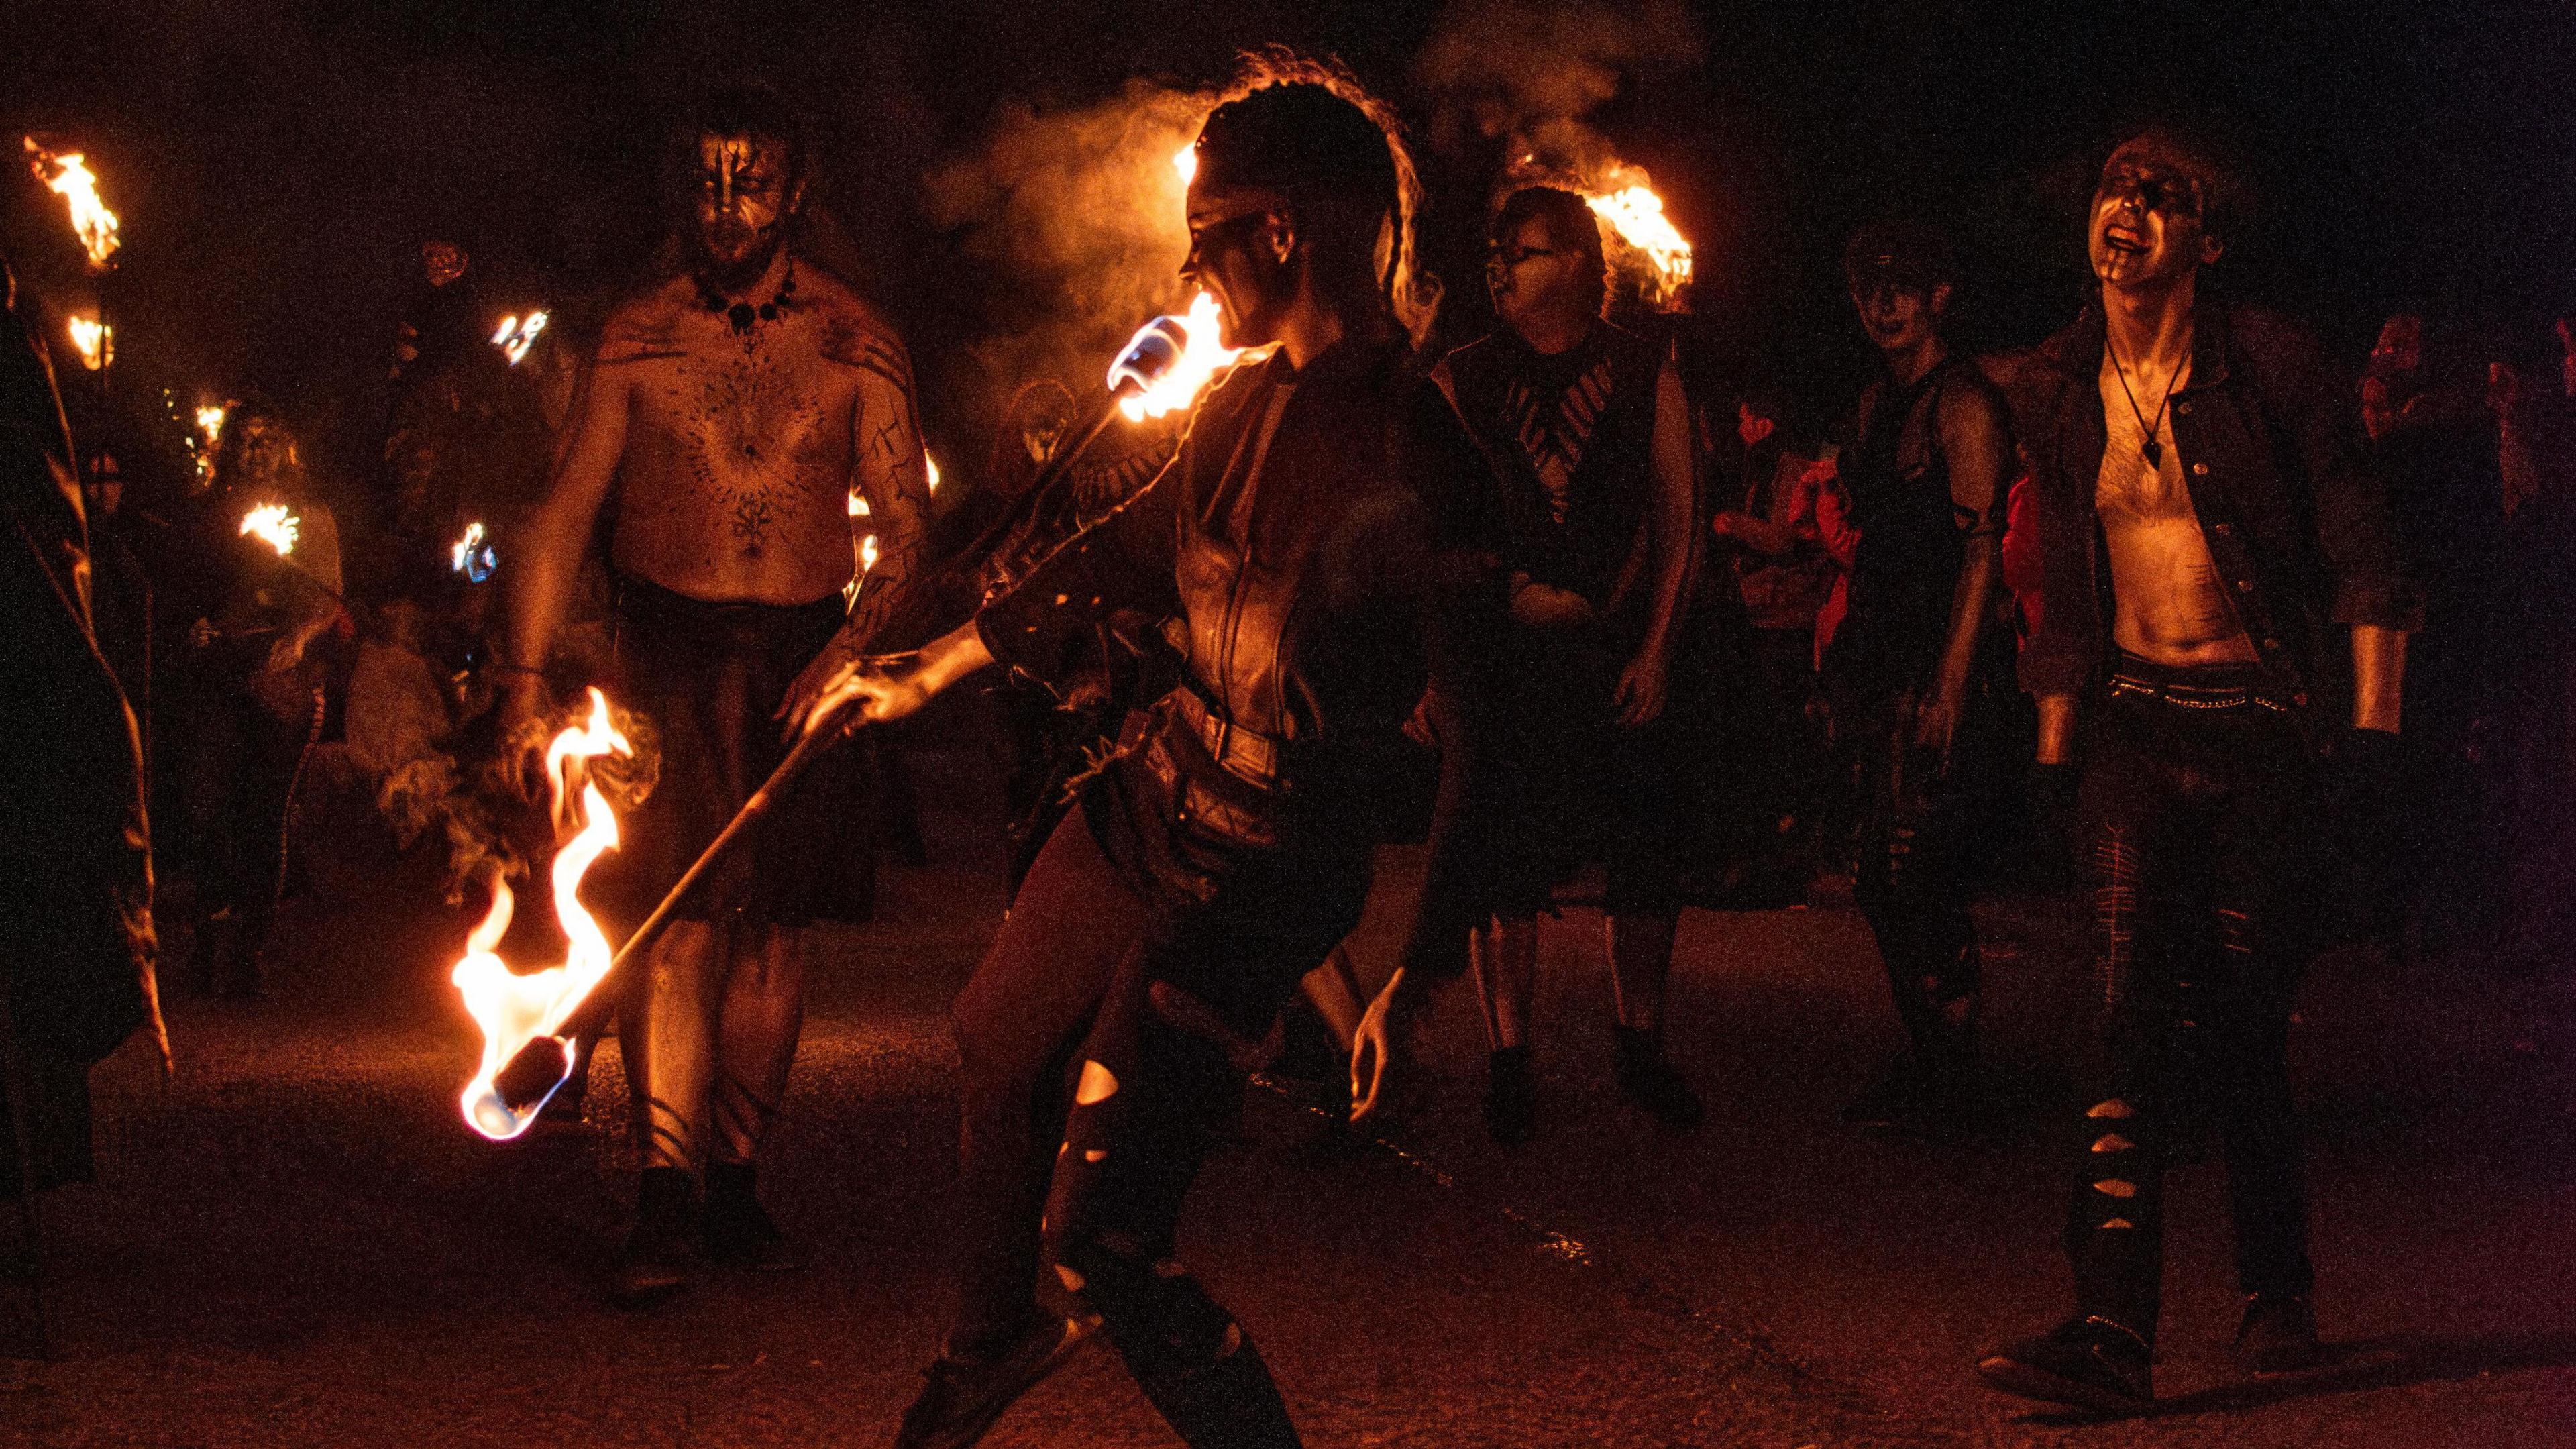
(2207, 532)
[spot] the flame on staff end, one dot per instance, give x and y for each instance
(1636, 218)
(1200, 360)
(273, 525)
(210, 423)
(472, 555)
(93, 339)
(517, 334)
(1186, 162)
(514, 1010)
(68, 177)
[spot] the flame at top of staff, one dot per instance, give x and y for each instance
(273, 525)
(95, 341)
(1169, 360)
(68, 177)
(1186, 162)
(514, 1010)
(210, 423)
(1636, 217)
(517, 334)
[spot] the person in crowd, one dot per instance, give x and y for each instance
(266, 654)
(2209, 530)
(2534, 400)
(1918, 512)
(1590, 434)
(736, 407)
(1767, 536)
(1317, 544)
(76, 894)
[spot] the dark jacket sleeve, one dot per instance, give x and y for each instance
(1460, 602)
(2314, 412)
(1041, 623)
(2059, 656)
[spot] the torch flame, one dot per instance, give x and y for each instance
(274, 526)
(1636, 214)
(1186, 162)
(514, 1010)
(69, 177)
(95, 340)
(472, 555)
(210, 423)
(517, 334)
(1198, 360)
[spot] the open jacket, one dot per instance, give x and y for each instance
(2300, 528)
(1323, 550)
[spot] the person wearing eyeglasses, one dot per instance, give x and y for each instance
(1587, 427)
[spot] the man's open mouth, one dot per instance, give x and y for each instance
(2121, 239)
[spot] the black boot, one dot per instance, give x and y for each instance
(2278, 1335)
(1648, 1077)
(657, 1259)
(967, 1392)
(2088, 1361)
(736, 1230)
(1511, 1096)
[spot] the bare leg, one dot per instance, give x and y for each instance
(763, 1010)
(1334, 988)
(1641, 957)
(668, 1038)
(1506, 964)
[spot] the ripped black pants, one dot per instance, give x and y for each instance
(2197, 817)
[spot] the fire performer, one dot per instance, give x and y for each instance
(1926, 480)
(2205, 526)
(735, 408)
(1592, 435)
(266, 646)
(1315, 544)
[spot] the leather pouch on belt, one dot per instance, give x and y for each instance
(1204, 819)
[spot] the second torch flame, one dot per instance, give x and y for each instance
(1200, 359)
(514, 1010)
(273, 525)
(68, 176)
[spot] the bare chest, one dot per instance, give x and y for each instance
(741, 437)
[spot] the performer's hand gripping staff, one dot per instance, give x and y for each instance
(1159, 369)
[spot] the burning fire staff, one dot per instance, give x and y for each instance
(2204, 527)
(1592, 435)
(732, 411)
(1316, 545)
(1926, 478)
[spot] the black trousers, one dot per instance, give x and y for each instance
(2197, 812)
(1913, 880)
(1087, 1115)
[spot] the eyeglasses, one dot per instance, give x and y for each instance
(1513, 256)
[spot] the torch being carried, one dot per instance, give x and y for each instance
(531, 1023)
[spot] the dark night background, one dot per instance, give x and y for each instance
(277, 162)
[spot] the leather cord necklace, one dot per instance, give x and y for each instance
(2148, 447)
(742, 316)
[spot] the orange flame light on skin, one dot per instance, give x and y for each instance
(69, 177)
(514, 1010)
(274, 526)
(517, 334)
(93, 339)
(1201, 360)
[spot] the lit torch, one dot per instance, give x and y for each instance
(1635, 215)
(94, 340)
(1169, 361)
(472, 555)
(273, 525)
(517, 1011)
(517, 334)
(68, 177)
(210, 428)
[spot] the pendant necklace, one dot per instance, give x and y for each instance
(2148, 447)
(741, 316)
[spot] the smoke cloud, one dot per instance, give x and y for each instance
(1078, 215)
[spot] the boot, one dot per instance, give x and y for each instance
(736, 1230)
(1649, 1079)
(657, 1259)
